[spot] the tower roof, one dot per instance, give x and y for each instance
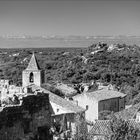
(33, 64)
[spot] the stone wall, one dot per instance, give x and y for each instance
(71, 125)
(31, 119)
(81, 126)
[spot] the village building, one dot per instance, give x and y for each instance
(7, 90)
(4, 83)
(40, 113)
(33, 74)
(67, 112)
(101, 128)
(100, 100)
(29, 120)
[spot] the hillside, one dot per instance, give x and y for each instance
(116, 64)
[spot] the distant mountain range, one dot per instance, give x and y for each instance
(67, 37)
(63, 41)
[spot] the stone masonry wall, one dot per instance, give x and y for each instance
(22, 122)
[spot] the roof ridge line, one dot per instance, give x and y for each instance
(33, 64)
(136, 111)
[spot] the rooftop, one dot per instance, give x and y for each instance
(103, 94)
(69, 105)
(33, 64)
(102, 127)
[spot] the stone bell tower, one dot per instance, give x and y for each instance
(32, 74)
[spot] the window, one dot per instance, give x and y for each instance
(31, 77)
(86, 107)
(121, 108)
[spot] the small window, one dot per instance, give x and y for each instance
(57, 110)
(86, 107)
(31, 77)
(121, 108)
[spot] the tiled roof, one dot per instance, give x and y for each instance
(134, 123)
(103, 94)
(33, 64)
(60, 101)
(65, 103)
(100, 127)
(128, 113)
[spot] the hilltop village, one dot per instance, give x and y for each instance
(41, 108)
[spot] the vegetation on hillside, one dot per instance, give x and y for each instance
(119, 66)
(123, 130)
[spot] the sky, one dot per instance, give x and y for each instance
(70, 17)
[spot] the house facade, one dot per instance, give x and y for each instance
(68, 119)
(100, 100)
(114, 104)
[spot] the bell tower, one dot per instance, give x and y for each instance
(32, 74)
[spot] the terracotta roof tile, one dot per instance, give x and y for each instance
(100, 127)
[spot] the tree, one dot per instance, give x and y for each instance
(103, 115)
(122, 130)
(136, 100)
(88, 77)
(76, 79)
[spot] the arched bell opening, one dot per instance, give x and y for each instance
(31, 78)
